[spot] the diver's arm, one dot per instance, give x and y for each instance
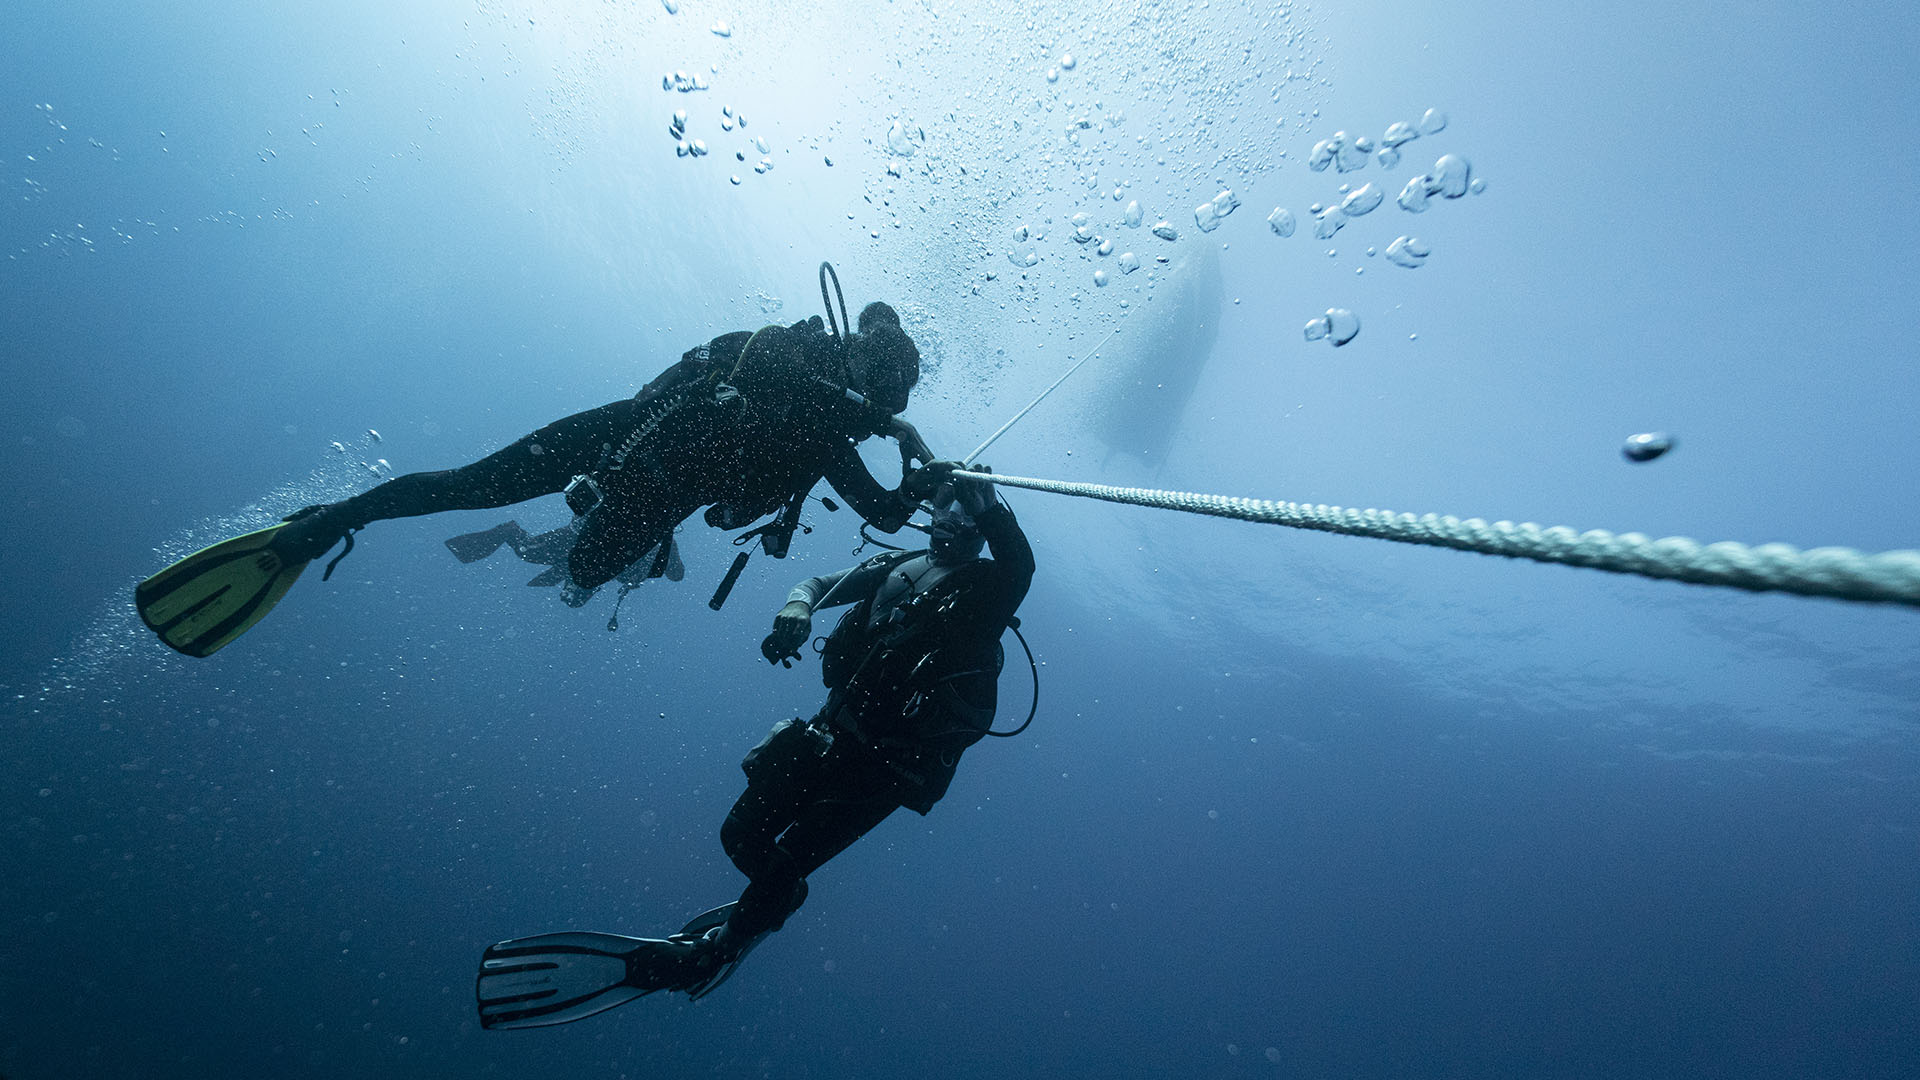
(1012, 554)
(794, 622)
(884, 509)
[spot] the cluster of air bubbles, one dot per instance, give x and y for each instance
(1026, 247)
(1345, 153)
(1408, 251)
(1451, 178)
(1348, 153)
(1338, 325)
(730, 120)
(1208, 215)
(683, 82)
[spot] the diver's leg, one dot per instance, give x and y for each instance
(845, 797)
(538, 464)
(616, 534)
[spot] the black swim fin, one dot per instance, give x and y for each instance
(559, 978)
(214, 595)
(472, 547)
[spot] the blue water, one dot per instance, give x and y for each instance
(1295, 805)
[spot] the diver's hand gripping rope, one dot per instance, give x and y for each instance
(1891, 577)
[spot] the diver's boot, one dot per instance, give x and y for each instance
(311, 531)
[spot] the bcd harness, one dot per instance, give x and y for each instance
(904, 671)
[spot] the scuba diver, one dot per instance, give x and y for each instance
(745, 425)
(912, 672)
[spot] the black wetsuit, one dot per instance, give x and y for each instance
(913, 675)
(746, 453)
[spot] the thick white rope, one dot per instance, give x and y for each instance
(1891, 577)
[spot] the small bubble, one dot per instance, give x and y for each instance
(1100, 278)
(1132, 216)
(1067, 61)
(1105, 248)
(760, 143)
(1433, 123)
(1477, 187)
(1281, 221)
(721, 29)
(734, 179)
(1053, 75)
(1164, 230)
(1387, 156)
(1129, 262)
(1646, 446)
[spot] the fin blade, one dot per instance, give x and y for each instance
(559, 978)
(204, 601)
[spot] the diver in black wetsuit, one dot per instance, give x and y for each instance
(745, 425)
(912, 674)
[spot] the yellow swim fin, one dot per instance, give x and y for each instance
(209, 598)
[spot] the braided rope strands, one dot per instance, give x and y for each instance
(1891, 577)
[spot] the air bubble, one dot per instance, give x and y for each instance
(721, 29)
(1433, 123)
(1129, 262)
(1398, 132)
(1100, 278)
(1451, 174)
(1281, 221)
(1408, 251)
(1413, 197)
(1132, 216)
(1329, 221)
(1362, 200)
(1164, 230)
(899, 143)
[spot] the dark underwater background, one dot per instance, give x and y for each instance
(1294, 805)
